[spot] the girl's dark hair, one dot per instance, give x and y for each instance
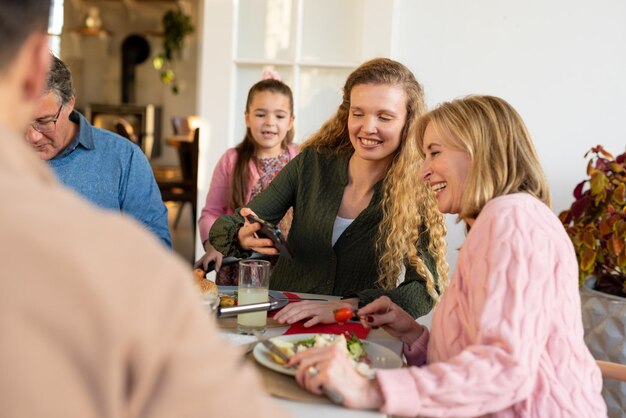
(245, 149)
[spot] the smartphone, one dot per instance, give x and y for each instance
(271, 231)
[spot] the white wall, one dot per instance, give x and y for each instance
(215, 96)
(560, 63)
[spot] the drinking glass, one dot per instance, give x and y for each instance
(254, 280)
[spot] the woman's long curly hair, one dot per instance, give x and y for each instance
(246, 148)
(408, 210)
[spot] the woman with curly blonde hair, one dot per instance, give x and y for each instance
(358, 230)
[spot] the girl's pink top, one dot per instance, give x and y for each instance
(216, 203)
(507, 336)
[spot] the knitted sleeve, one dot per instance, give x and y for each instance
(271, 205)
(216, 203)
(510, 265)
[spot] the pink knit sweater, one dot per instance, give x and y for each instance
(507, 336)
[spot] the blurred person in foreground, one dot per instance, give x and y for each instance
(97, 319)
(507, 335)
(104, 167)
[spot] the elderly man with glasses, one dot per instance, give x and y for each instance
(105, 168)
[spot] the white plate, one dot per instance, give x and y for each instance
(381, 357)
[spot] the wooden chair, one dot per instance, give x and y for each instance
(125, 129)
(181, 184)
(611, 370)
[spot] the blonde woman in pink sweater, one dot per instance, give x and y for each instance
(507, 336)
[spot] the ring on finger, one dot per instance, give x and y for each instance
(312, 371)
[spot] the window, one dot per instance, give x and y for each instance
(55, 26)
(292, 37)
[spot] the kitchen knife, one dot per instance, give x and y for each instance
(228, 311)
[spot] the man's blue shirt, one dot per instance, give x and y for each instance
(113, 173)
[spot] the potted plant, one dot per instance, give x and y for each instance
(596, 224)
(176, 26)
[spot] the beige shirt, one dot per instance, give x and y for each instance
(97, 319)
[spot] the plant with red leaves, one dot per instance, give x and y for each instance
(596, 221)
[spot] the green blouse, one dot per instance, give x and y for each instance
(313, 184)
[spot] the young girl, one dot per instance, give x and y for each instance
(507, 336)
(357, 223)
(244, 171)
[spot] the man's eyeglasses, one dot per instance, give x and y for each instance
(49, 125)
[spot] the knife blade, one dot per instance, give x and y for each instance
(274, 349)
(330, 394)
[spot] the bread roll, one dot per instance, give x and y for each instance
(199, 274)
(207, 287)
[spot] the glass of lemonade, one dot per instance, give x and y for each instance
(254, 280)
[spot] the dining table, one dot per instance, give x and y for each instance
(305, 408)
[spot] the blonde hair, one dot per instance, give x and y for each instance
(406, 221)
(503, 157)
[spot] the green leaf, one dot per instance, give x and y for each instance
(158, 62)
(619, 194)
(598, 182)
(167, 76)
(619, 228)
(618, 244)
(588, 260)
(605, 227)
(618, 168)
(621, 262)
(588, 240)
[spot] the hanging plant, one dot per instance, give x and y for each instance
(177, 26)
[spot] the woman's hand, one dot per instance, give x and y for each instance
(316, 312)
(330, 368)
(211, 254)
(248, 239)
(384, 313)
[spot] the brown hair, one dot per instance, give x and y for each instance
(406, 223)
(245, 149)
(503, 157)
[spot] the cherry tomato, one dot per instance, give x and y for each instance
(343, 315)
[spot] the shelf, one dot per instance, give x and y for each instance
(318, 64)
(101, 33)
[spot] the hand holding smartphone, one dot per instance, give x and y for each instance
(271, 231)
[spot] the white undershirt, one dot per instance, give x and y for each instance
(340, 225)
